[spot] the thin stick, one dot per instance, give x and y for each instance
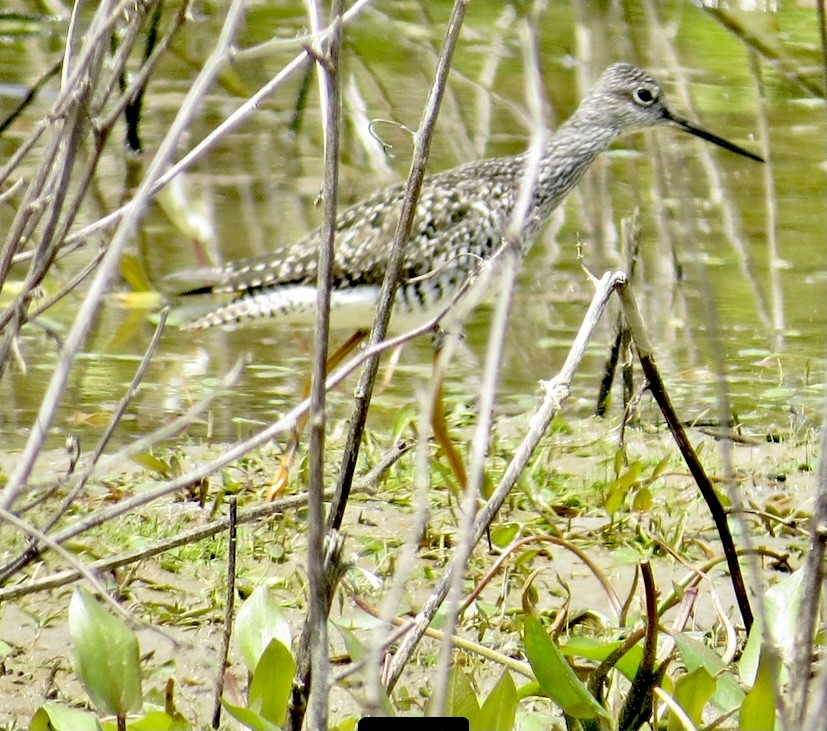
(228, 125)
(249, 515)
(123, 507)
(556, 391)
(658, 389)
(86, 312)
(812, 586)
(115, 419)
(71, 559)
(329, 75)
(516, 545)
(422, 146)
(507, 271)
(395, 589)
(236, 451)
(228, 609)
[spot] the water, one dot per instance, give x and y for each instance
(703, 238)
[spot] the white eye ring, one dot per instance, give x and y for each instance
(644, 96)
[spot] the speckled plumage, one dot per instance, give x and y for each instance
(460, 219)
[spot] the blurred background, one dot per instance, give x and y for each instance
(731, 251)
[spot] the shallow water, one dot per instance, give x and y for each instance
(706, 223)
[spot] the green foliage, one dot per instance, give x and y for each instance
(632, 481)
(260, 620)
(272, 680)
(460, 698)
(692, 691)
(557, 679)
(728, 693)
(758, 709)
(54, 717)
(107, 659)
(594, 649)
(500, 707)
(497, 710)
(262, 637)
(781, 604)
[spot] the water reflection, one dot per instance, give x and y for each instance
(715, 229)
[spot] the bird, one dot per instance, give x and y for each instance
(460, 221)
(461, 216)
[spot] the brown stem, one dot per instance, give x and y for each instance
(228, 610)
(716, 509)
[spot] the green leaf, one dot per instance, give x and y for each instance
(500, 707)
(503, 534)
(107, 658)
(555, 675)
(619, 460)
(643, 500)
(152, 463)
(53, 717)
(592, 649)
(259, 620)
(272, 681)
(159, 721)
(758, 707)
(781, 603)
(692, 691)
(620, 487)
(660, 467)
(249, 718)
(728, 692)
(354, 646)
(460, 699)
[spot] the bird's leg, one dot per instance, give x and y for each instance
(286, 462)
(393, 361)
(440, 428)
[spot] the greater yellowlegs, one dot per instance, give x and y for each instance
(460, 219)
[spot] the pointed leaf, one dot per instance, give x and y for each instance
(259, 620)
(728, 692)
(354, 646)
(758, 709)
(249, 718)
(620, 487)
(503, 534)
(500, 707)
(692, 691)
(460, 698)
(272, 681)
(660, 468)
(107, 658)
(555, 675)
(643, 500)
(781, 603)
(619, 459)
(596, 650)
(151, 462)
(54, 717)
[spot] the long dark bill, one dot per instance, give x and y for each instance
(709, 137)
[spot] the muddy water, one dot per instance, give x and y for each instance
(719, 234)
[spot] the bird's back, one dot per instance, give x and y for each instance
(459, 220)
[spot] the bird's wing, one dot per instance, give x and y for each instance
(455, 224)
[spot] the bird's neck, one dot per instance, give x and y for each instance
(566, 157)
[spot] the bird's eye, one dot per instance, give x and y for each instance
(644, 96)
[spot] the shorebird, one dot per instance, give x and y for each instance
(460, 219)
